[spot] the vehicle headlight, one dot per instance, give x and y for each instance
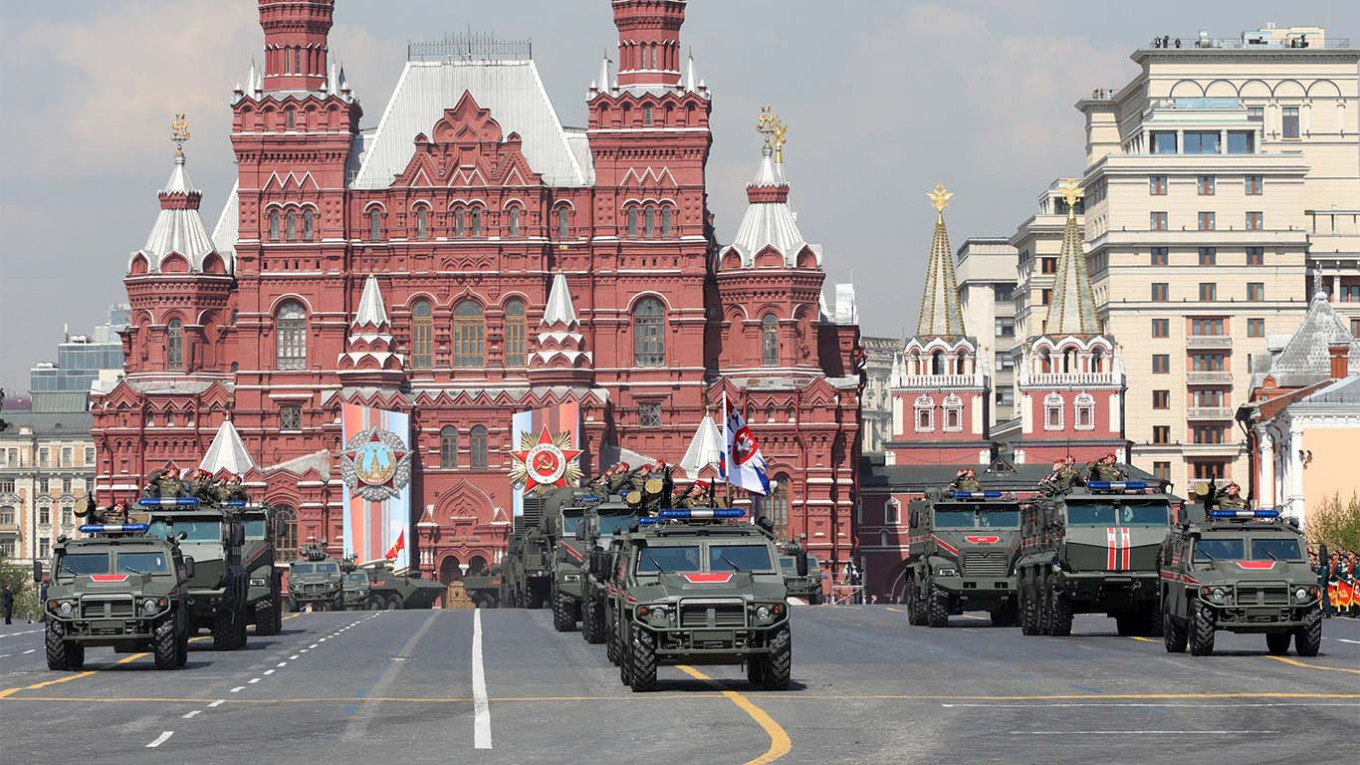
(1301, 594)
(763, 613)
(65, 608)
(659, 615)
(1218, 595)
(148, 605)
(259, 582)
(947, 571)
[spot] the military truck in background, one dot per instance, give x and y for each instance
(214, 536)
(526, 569)
(315, 580)
(264, 598)
(394, 591)
(807, 586)
(485, 590)
(1239, 570)
(1094, 549)
(962, 549)
(598, 530)
(122, 588)
(698, 586)
(564, 511)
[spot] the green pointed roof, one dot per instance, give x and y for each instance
(940, 313)
(1072, 310)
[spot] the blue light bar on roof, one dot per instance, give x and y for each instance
(648, 521)
(168, 502)
(1244, 513)
(703, 512)
(234, 503)
(590, 499)
(977, 494)
(113, 528)
(1116, 485)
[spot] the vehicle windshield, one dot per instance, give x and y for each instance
(1209, 550)
(83, 564)
(569, 524)
(615, 524)
(953, 519)
(304, 568)
(1117, 513)
(978, 517)
(255, 528)
(1277, 548)
(142, 563)
(670, 559)
(328, 568)
(739, 558)
(193, 530)
(357, 578)
(787, 564)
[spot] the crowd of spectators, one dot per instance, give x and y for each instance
(1339, 575)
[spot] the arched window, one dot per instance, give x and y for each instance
(476, 222)
(374, 225)
(297, 61)
(516, 328)
(655, 64)
(777, 505)
(289, 123)
(174, 344)
(513, 227)
(422, 335)
(769, 340)
(291, 225)
(953, 413)
(458, 230)
(308, 225)
(563, 223)
(649, 225)
(285, 533)
(632, 223)
(273, 225)
(647, 115)
(422, 223)
(290, 324)
(1053, 412)
(892, 512)
(925, 414)
(469, 335)
(287, 59)
(1069, 361)
(1085, 410)
(649, 339)
(448, 447)
(478, 448)
(937, 363)
(1097, 361)
(769, 412)
(666, 222)
(882, 539)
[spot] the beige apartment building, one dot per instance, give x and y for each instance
(985, 268)
(47, 465)
(1205, 176)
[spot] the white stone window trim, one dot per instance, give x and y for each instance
(892, 512)
(1053, 403)
(953, 405)
(924, 404)
(1086, 403)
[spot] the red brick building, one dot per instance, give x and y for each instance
(468, 256)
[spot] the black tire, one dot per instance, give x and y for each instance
(564, 620)
(755, 671)
(75, 657)
(263, 623)
(642, 664)
(937, 607)
(916, 615)
(1126, 624)
(778, 662)
(611, 639)
(1174, 634)
(375, 603)
(1278, 642)
(1308, 638)
(241, 635)
(1060, 622)
(165, 644)
(182, 650)
(394, 603)
(1150, 620)
(1043, 597)
(1006, 616)
(223, 631)
(592, 622)
(1029, 608)
(292, 606)
(625, 660)
(1201, 630)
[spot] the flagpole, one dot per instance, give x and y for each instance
(726, 457)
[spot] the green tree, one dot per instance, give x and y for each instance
(1336, 524)
(20, 580)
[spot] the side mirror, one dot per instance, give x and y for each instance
(189, 568)
(914, 518)
(581, 530)
(37, 571)
(800, 562)
(593, 563)
(238, 535)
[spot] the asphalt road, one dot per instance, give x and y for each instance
(502, 686)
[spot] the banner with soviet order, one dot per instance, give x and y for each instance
(375, 465)
(547, 443)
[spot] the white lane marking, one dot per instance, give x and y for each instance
(193, 714)
(1129, 732)
(253, 680)
(1344, 640)
(4, 656)
(217, 703)
(1157, 705)
(313, 645)
(31, 650)
(161, 739)
(293, 657)
(481, 727)
(238, 689)
(282, 664)
(17, 634)
(303, 651)
(269, 671)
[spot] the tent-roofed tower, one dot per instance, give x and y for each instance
(940, 389)
(1070, 382)
(649, 42)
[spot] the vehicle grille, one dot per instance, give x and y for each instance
(107, 608)
(1262, 595)
(713, 615)
(984, 563)
(314, 589)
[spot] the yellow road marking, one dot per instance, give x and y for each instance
(1296, 663)
(779, 740)
(1146, 640)
(894, 610)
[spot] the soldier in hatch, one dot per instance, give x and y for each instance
(1063, 477)
(1232, 498)
(1106, 469)
(966, 480)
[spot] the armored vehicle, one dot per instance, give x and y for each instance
(485, 590)
(264, 598)
(356, 590)
(315, 580)
(526, 569)
(214, 536)
(807, 586)
(1243, 571)
(1093, 549)
(961, 556)
(598, 529)
(122, 588)
(694, 588)
(393, 591)
(564, 511)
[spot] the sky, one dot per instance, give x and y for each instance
(883, 99)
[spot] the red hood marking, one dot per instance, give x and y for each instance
(1256, 564)
(109, 577)
(708, 578)
(571, 550)
(982, 540)
(951, 548)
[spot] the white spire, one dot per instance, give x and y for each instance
(344, 83)
(332, 80)
(604, 74)
(227, 452)
(690, 80)
(704, 451)
(559, 309)
(250, 77)
(371, 311)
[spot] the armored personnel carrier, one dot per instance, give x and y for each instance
(315, 580)
(1238, 570)
(121, 588)
(214, 536)
(393, 591)
(264, 598)
(1093, 549)
(697, 586)
(961, 556)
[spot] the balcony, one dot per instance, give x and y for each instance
(1210, 413)
(9, 529)
(1073, 378)
(1211, 450)
(1209, 342)
(1208, 378)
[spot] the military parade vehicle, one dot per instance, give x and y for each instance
(391, 590)
(354, 587)
(485, 590)
(1239, 570)
(526, 569)
(1093, 548)
(698, 586)
(315, 580)
(214, 536)
(122, 588)
(961, 556)
(807, 586)
(264, 599)
(598, 529)
(563, 512)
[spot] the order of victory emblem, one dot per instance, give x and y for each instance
(545, 461)
(376, 464)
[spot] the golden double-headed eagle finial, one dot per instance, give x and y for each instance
(1071, 193)
(775, 132)
(179, 133)
(939, 198)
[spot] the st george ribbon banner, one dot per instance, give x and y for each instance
(375, 464)
(546, 444)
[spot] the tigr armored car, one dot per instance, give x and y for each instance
(214, 537)
(962, 551)
(120, 588)
(315, 580)
(264, 598)
(1243, 571)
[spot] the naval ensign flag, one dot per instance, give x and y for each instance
(741, 464)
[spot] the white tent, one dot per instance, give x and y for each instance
(704, 450)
